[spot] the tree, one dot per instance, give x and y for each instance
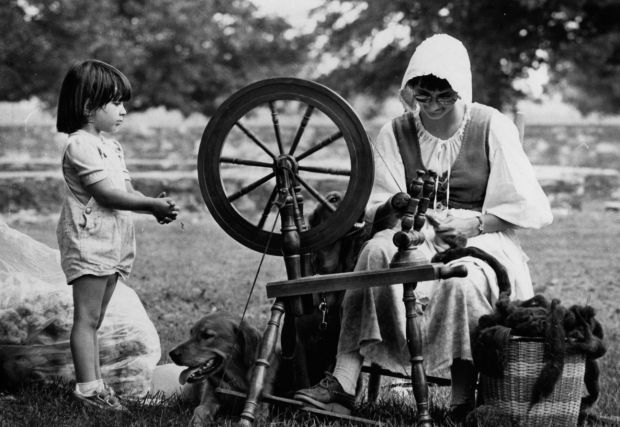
(505, 40)
(181, 54)
(587, 65)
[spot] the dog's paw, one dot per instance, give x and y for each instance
(202, 417)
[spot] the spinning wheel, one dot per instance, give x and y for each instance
(241, 159)
(244, 177)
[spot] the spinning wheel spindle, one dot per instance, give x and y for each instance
(406, 240)
(292, 223)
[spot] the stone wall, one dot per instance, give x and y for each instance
(584, 160)
(43, 191)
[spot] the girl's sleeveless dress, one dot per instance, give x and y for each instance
(93, 239)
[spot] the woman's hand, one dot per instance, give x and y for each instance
(452, 227)
(454, 231)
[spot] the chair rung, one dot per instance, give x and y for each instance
(384, 372)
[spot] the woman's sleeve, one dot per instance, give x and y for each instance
(85, 158)
(389, 176)
(513, 192)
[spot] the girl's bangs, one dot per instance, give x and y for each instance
(122, 88)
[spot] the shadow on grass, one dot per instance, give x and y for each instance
(52, 405)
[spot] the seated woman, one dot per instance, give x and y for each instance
(489, 191)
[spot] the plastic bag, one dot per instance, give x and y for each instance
(36, 315)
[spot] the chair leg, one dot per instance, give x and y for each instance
(414, 342)
(374, 383)
(262, 364)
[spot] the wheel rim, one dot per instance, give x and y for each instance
(218, 141)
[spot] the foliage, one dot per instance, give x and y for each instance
(577, 39)
(180, 54)
(190, 55)
(587, 64)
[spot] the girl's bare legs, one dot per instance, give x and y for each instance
(109, 290)
(88, 299)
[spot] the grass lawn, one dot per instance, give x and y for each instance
(182, 273)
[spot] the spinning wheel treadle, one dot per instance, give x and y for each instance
(229, 142)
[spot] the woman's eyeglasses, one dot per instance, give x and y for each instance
(439, 99)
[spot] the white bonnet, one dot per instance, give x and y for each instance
(446, 58)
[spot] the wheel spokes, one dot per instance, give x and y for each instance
(301, 129)
(256, 140)
(330, 171)
(249, 188)
(233, 161)
(239, 153)
(276, 149)
(327, 141)
(267, 208)
(315, 194)
(276, 126)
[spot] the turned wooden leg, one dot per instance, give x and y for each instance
(374, 383)
(262, 363)
(293, 358)
(414, 343)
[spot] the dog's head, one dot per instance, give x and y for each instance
(341, 255)
(214, 340)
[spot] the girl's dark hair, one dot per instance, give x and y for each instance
(88, 86)
(429, 82)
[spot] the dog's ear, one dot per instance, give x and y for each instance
(315, 217)
(312, 219)
(249, 343)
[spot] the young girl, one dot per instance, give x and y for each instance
(95, 230)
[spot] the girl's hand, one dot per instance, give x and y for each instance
(165, 209)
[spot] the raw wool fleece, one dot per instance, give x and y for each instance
(442, 56)
(565, 331)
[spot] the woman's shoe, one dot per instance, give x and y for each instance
(329, 395)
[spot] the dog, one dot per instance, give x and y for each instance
(220, 352)
(341, 255)
(318, 341)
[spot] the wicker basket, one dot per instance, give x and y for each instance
(509, 395)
